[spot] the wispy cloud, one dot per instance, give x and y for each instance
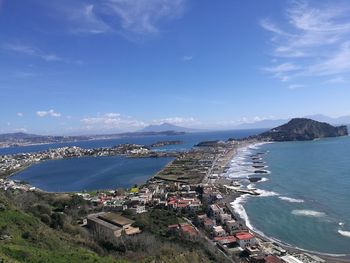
(19, 114)
(31, 51)
(144, 16)
(336, 80)
(125, 17)
(84, 19)
(313, 41)
(295, 86)
(49, 113)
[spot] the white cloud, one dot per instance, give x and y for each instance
(50, 113)
(111, 121)
(118, 122)
(282, 71)
(19, 114)
(311, 42)
(21, 130)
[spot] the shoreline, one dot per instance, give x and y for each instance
(239, 200)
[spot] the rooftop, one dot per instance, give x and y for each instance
(115, 219)
(244, 236)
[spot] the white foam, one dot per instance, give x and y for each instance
(265, 193)
(341, 223)
(344, 233)
(239, 209)
(291, 200)
(264, 179)
(310, 213)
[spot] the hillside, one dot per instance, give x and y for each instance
(24, 238)
(302, 129)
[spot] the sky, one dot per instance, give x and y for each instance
(85, 67)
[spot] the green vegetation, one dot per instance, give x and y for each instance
(26, 239)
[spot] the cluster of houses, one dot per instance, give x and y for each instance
(215, 219)
(7, 184)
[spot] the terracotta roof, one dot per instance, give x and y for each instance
(244, 236)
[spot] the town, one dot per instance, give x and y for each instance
(191, 186)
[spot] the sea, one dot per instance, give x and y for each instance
(304, 197)
(112, 172)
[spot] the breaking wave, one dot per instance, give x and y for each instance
(344, 233)
(291, 200)
(310, 213)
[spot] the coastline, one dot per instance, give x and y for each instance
(236, 206)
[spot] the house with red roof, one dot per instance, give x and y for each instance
(245, 239)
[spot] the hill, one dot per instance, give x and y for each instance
(166, 127)
(24, 238)
(303, 129)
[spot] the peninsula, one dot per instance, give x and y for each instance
(302, 129)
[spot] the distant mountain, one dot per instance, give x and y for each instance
(303, 129)
(264, 124)
(166, 127)
(22, 139)
(343, 120)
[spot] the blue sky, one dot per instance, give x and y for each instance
(69, 67)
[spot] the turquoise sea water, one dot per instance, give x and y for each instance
(306, 199)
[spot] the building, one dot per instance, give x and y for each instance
(218, 231)
(224, 218)
(245, 239)
(139, 209)
(202, 218)
(215, 211)
(108, 226)
(232, 226)
(227, 241)
(208, 224)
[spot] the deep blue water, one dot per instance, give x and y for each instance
(316, 175)
(94, 173)
(91, 173)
